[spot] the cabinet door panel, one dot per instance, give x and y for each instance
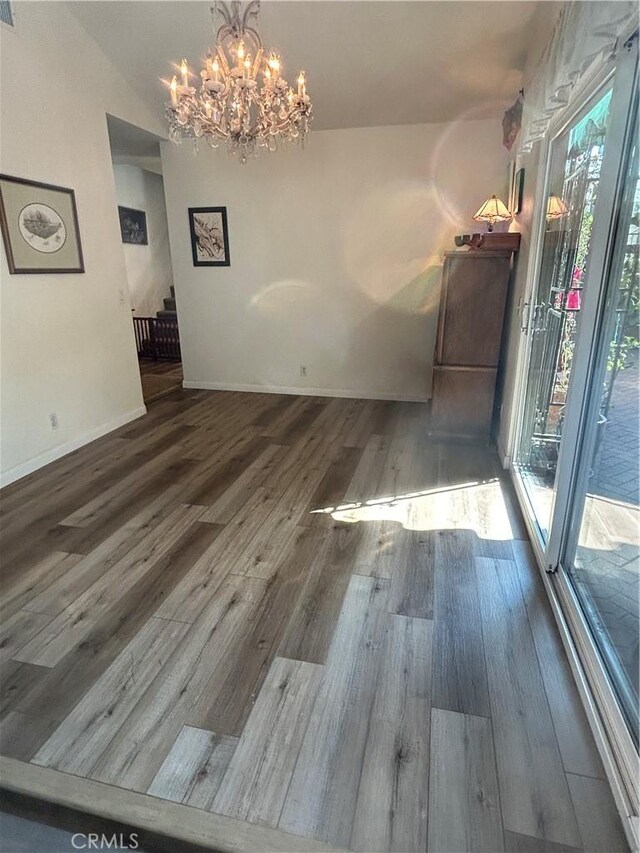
(472, 310)
(462, 403)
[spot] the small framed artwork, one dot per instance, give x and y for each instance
(518, 191)
(133, 226)
(39, 227)
(209, 236)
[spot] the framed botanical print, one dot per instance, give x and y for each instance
(133, 226)
(39, 227)
(209, 236)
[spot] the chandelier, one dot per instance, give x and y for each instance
(242, 101)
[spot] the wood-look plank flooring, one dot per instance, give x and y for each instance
(297, 613)
(159, 378)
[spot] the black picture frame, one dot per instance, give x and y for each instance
(518, 191)
(133, 226)
(209, 236)
(12, 209)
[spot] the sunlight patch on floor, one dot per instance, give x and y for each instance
(477, 506)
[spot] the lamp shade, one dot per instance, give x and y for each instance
(492, 211)
(556, 208)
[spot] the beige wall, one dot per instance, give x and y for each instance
(67, 340)
(336, 256)
(149, 274)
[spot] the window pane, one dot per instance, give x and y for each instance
(605, 565)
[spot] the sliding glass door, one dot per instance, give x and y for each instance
(576, 459)
(572, 190)
(601, 554)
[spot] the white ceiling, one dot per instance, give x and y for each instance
(368, 63)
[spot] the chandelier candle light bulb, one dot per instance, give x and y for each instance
(243, 99)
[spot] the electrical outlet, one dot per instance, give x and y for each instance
(303, 370)
(53, 420)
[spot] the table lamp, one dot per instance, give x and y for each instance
(492, 211)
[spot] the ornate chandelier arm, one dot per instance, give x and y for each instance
(251, 11)
(234, 26)
(221, 8)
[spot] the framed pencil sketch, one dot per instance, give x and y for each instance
(133, 226)
(39, 227)
(209, 236)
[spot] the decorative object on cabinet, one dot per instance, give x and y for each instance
(507, 240)
(492, 211)
(40, 227)
(469, 339)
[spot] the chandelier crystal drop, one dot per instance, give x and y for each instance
(243, 100)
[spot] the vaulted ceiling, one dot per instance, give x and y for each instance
(368, 63)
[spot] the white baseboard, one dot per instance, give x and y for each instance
(303, 392)
(20, 471)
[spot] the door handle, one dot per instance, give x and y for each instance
(524, 317)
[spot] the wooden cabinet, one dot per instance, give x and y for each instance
(472, 305)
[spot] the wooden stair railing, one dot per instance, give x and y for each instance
(157, 337)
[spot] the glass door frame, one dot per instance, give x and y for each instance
(593, 397)
(579, 427)
(609, 726)
(548, 552)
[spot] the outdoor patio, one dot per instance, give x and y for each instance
(607, 564)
